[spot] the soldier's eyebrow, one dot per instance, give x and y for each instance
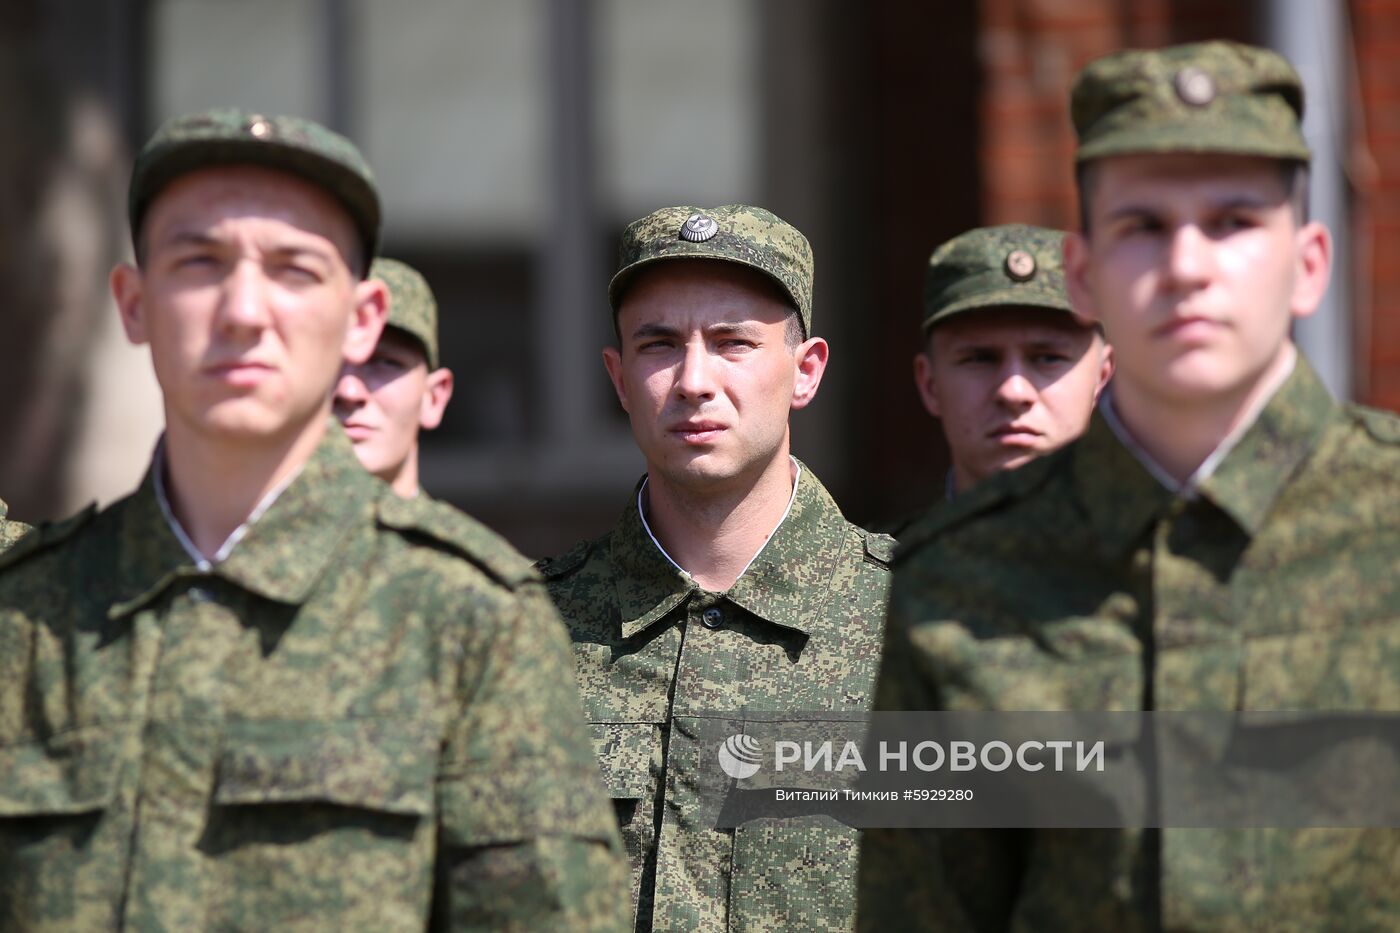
(185, 237)
(1134, 212)
(746, 329)
(653, 329)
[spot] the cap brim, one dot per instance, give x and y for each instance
(1007, 298)
(179, 158)
(1194, 136)
(623, 277)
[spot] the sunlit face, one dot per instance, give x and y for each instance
(706, 373)
(1009, 385)
(385, 401)
(1196, 265)
(248, 301)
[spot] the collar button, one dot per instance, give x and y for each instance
(712, 617)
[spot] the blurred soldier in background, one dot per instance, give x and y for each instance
(1007, 367)
(400, 390)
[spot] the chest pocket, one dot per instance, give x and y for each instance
(1349, 667)
(55, 797)
(385, 766)
(813, 861)
(626, 753)
(629, 758)
(66, 775)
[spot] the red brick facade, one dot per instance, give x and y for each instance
(1374, 168)
(1030, 51)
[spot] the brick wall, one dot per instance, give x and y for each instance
(1030, 51)
(1374, 167)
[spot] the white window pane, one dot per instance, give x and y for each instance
(451, 114)
(679, 108)
(261, 55)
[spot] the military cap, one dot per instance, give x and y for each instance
(230, 136)
(1220, 97)
(1015, 265)
(412, 307)
(738, 233)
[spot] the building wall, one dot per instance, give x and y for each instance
(1029, 52)
(1374, 169)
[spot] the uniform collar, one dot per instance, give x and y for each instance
(786, 583)
(1252, 476)
(1123, 494)
(284, 547)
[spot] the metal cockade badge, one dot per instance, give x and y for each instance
(698, 228)
(1020, 265)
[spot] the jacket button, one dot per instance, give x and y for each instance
(712, 617)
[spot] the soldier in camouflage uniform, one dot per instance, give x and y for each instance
(262, 691)
(385, 401)
(1224, 536)
(731, 581)
(10, 530)
(1007, 366)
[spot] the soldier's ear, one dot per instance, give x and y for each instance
(437, 393)
(1076, 261)
(1313, 268)
(127, 287)
(371, 309)
(612, 362)
(925, 382)
(1105, 366)
(811, 364)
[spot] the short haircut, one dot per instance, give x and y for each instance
(793, 332)
(1294, 174)
(1095, 326)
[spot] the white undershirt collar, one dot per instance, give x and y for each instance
(205, 564)
(796, 477)
(1217, 456)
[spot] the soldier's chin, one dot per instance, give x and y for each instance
(248, 421)
(699, 468)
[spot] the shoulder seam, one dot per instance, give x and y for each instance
(458, 534)
(553, 568)
(45, 535)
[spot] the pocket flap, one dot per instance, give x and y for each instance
(625, 752)
(75, 772)
(376, 764)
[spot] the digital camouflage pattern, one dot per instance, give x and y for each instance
(362, 719)
(10, 530)
(228, 136)
(1078, 582)
(799, 630)
(749, 236)
(1013, 265)
(412, 307)
(1220, 97)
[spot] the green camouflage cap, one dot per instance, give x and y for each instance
(230, 136)
(1015, 265)
(1220, 97)
(412, 307)
(749, 236)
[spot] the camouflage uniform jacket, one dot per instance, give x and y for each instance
(361, 719)
(1079, 582)
(10, 530)
(799, 630)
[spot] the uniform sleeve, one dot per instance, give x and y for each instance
(527, 838)
(914, 879)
